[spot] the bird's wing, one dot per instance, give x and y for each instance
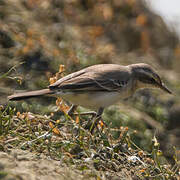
(91, 84)
(93, 79)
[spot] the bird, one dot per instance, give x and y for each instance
(99, 86)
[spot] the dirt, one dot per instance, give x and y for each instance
(24, 165)
(21, 164)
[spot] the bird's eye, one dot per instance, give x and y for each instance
(152, 80)
(158, 80)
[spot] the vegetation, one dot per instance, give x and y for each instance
(103, 154)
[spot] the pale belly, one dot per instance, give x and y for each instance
(93, 100)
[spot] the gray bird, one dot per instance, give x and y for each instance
(100, 86)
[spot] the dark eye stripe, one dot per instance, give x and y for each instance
(147, 80)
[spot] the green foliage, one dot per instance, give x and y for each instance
(3, 174)
(6, 119)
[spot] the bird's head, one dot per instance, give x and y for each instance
(146, 77)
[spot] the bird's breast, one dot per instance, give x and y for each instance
(93, 100)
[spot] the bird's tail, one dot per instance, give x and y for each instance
(30, 94)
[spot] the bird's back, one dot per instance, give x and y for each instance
(101, 72)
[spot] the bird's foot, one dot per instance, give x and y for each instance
(72, 109)
(93, 123)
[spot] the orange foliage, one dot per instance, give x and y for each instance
(131, 2)
(55, 130)
(30, 42)
(145, 41)
(56, 52)
(101, 124)
(33, 3)
(25, 49)
(141, 153)
(123, 131)
(142, 170)
(52, 80)
(107, 12)
(77, 119)
(177, 51)
(68, 154)
(58, 75)
(30, 32)
(61, 68)
(141, 20)
(95, 31)
(62, 107)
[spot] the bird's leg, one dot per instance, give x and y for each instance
(91, 125)
(72, 109)
(96, 119)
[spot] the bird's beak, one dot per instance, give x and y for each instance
(164, 88)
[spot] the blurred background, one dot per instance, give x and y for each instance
(37, 36)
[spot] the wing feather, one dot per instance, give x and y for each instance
(90, 84)
(95, 78)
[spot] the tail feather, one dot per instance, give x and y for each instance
(30, 94)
